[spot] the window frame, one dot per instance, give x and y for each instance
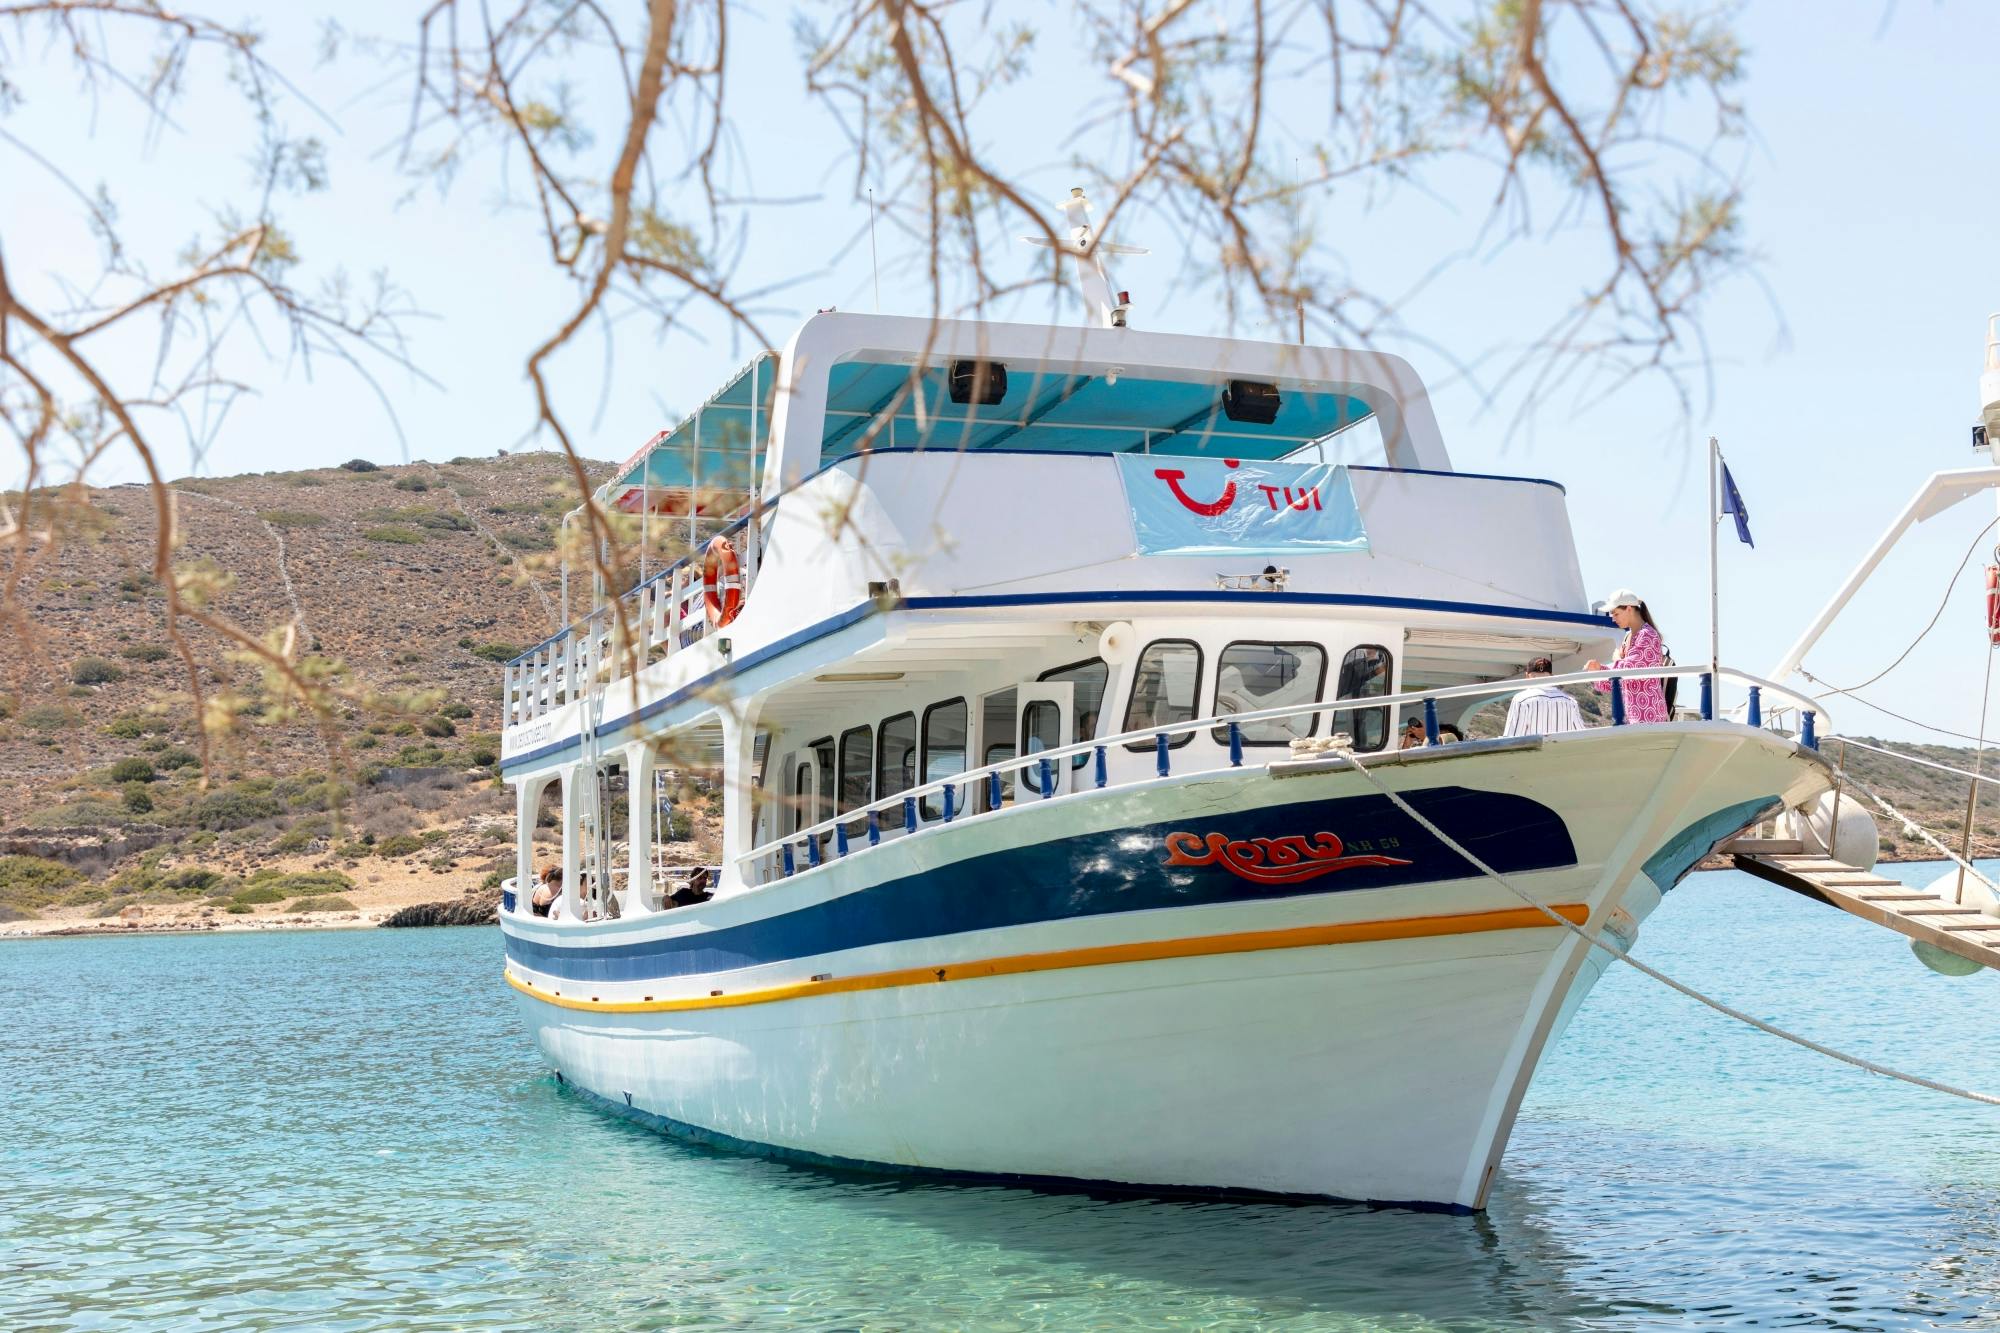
(840, 806)
(932, 807)
(1200, 668)
(881, 780)
(828, 754)
(1389, 680)
(1076, 717)
(1221, 733)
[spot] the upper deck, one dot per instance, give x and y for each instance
(1066, 473)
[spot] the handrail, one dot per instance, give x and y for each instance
(968, 779)
(1925, 763)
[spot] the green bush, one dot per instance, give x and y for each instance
(292, 518)
(29, 882)
(529, 541)
(497, 652)
(299, 836)
(47, 717)
(358, 465)
(138, 800)
(455, 708)
(95, 671)
(145, 652)
(307, 479)
(126, 727)
(132, 769)
(480, 757)
(412, 484)
(438, 726)
(193, 881)
(394, 534)
(85, 812)
(176, 758)
(258, 894)
(329, 903)
(401, 844)
(230, 807)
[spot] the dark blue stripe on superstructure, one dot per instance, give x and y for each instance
(1124, 870)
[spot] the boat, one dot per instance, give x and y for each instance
(1054, 681)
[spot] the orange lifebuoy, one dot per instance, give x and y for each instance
(1993, 604)
(721, 581)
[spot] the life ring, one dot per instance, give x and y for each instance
(1993, 604)
(721, 581)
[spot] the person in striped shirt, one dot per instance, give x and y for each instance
(1542, 710)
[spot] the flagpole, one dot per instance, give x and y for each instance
(1714, 590)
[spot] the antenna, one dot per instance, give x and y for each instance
(1298, 297)
(1107, 306)
(873, 258)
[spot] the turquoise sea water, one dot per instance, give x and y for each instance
(349, 1131)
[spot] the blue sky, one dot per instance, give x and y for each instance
(1844, 372)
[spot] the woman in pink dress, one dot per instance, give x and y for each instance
(1645, 700)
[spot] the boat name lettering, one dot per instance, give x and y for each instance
(1291, 859)
(521, 738)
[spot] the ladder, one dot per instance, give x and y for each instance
(1956, 928)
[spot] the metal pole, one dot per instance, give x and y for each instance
(1714, 582)
(694, 483)
(1972, 797)
(646, 521)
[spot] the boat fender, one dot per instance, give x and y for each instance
(1942, 963)
(721, 581)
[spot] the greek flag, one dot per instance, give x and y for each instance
(1732, 503)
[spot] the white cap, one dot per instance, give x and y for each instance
(1622, 597)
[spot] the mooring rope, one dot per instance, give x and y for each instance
(1911, 826)
(1730, 1011)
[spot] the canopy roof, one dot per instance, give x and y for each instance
(719, 446)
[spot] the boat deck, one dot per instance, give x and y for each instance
(1957, 928)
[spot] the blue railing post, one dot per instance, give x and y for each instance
(1160, 754)
(1756, 718)
(1235, 746)
(812, 850)
(874, 829)
(1808, 733)
(1048, 779)
(1430, 722)
(1102, 776)
(840, 839)
(996, 789)
(950, 803)
(791, 866)
(1617, 701)
(1707, 697)
(909, 814)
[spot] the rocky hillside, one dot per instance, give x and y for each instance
(413, 583)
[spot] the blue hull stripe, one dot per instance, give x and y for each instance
(1124, 870)
(696, 690)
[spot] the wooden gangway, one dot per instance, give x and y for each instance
(1958, 928)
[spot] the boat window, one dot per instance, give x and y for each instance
(996, 731)
(896, 755)
(1089, 677)
(857, 763)
(1250, 677)
(1041, 729)
(1164, 687)
(1364, 673)
(801, 798)
(944, 750)
(823, 751)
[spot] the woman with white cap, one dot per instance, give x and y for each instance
(1645, 700)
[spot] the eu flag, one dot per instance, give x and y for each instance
(1732, 503)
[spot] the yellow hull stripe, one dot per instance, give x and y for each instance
(1144, 951)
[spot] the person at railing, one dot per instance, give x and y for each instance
(1645, 700)
(1449, 734)
(694, 891)
(1542, 710)
(1413, 735)
(546, 892)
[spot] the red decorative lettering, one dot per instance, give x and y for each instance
(1287, 860)
(1206, 508)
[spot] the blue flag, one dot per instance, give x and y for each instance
(1732, 503)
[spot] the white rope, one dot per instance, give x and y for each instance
(1594, 939)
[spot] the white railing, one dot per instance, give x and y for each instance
(805, 848)
(665, 614)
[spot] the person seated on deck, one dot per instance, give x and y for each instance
(694, 891)
(1448, 734)
(1542, 710)
(587, 910)
(1413, 735)
(547, 891)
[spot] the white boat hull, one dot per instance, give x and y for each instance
(1366, 1043)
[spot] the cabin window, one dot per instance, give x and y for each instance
(1165, 685)
(823, 751)
(896, 755)
(1089, 679)
(1251, 677)
(996, 734)
(857, 765)
(801, 798)
(1041, 729)
(944, 749)
(1364, 674)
